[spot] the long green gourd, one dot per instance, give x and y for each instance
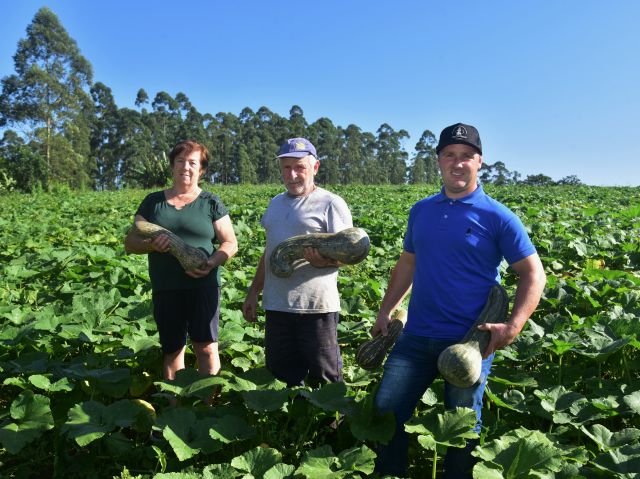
(349, 246)
(190, 258)
(371, 354)
(461, 363)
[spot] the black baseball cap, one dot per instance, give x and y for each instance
(460, 133)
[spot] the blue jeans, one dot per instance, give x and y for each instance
(409, 370)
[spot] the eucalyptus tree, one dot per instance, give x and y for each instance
(426, 158)
(47, 98)
(272, 132)
(391, 157)
(105, 138)
(164, 121)
(140, 163)
(417, 174)
(142, 98)
(191, 126)
(297, 123)
(246, 168)
(221, 135)
(325, 137)
(22, 163)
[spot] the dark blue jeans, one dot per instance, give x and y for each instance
(409, 370)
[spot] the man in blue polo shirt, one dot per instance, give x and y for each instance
(453, 248)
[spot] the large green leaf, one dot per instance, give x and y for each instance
(91, 420)
(187, 434)
(231, 428)
(633, 401)
(605, 439)
(449, 429)
(31, 417)
(266, 400)
(520, 454)
(330, 397)
(623, 461)
(558, 402)
(367, 424)
(257, 461)
(319, 463)
(43, 382)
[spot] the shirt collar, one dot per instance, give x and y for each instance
(470, 199)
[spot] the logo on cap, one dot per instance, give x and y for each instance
(460, 133)
(300, 146)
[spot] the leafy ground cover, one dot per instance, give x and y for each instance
(82, 393)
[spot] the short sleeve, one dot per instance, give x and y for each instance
(338, 216)
(218, 209)
(515, 243)
(408, 237)
(145, 208)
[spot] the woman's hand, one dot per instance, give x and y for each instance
(159, 244)
(204, 271)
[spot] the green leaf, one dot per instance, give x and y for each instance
(558, 401)
(357, 459)
(43, 382)
(330, 397)
(367, 424)
(31, 416)
(449, 429)
(633, 401)
(219, 471)
(319, 463)
(606, 439)
(265, 400)
(257, 461)
(520, 454)
(231, 428)
(189, 383)
(279, 471)
(186, 434)
(624, 461)
(87, 422)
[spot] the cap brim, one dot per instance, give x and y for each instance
(458, 142)
(295, 154)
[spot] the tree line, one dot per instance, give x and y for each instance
(59, 127)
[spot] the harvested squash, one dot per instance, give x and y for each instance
(190, 258)
(461, 363)
(371, 354)
(349, 246)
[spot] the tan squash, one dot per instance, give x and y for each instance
(349, 246)
(190, 258)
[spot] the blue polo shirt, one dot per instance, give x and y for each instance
(458, 246)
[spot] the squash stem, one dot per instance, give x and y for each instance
(626, 367)
(435, 461)
(560, 371)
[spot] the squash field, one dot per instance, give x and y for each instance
(82, 393)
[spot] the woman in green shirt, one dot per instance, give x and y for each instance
(186, 302)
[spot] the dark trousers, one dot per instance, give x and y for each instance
(299, 346)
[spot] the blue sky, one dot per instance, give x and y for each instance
(553, 86)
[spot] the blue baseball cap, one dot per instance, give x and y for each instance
(296, 148)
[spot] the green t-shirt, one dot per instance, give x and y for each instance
(194, 224)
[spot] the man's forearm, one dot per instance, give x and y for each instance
(399, 283)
